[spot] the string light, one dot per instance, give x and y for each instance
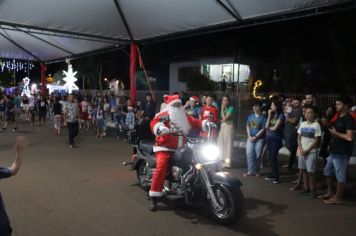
(257, 84)
(16, 66)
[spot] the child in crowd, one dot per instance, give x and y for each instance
(309, 134)
(100, 116)
(90, 114)
(129, 122)
(210, 112)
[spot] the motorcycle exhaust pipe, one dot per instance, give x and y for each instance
(127, 163)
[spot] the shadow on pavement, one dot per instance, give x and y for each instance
(257, 221)
(259, 217)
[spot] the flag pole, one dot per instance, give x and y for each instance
(145, 72)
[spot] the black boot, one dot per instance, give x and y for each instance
(153, 204)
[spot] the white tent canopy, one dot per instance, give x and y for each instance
(50, 29)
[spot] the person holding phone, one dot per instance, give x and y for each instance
(274, 127)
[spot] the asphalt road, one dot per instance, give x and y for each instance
(86, 191)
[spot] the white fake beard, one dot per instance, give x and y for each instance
(179, 118)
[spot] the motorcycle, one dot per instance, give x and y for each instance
(194, 175)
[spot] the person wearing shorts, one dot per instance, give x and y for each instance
(340, 151)
(309, 134)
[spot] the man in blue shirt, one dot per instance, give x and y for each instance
(255, 129)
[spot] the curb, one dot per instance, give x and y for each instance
(283, 150)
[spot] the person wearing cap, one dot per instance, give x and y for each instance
(191, 107)
(166, 143)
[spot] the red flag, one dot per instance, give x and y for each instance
(43, 79)
(133, 66)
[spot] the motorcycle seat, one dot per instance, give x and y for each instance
(146, 147)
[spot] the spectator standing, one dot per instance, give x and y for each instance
(309, 134)
(130, 123)
(57, 115)
(255, 129)
(326, 136)
(211, 113)
(42, 107)
(26, 107)
(10, 113)
(147, 114)
(226, 134)
(274, 128)
(163, 104)
(100, 117)
(2, 109)
(192, 108)
(85, 114)
(149, 109)
(71, 116)
(340, 151)
(292, 116)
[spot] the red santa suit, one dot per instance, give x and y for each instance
(167, 144)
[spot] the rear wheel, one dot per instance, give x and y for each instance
(229, 204)
(141, 173)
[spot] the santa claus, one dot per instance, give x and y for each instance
(167, 143)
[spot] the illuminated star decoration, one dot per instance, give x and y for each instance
(70, 79)
(26, 89)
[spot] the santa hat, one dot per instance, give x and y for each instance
(171, 99)
(194, 99)
(129, 108)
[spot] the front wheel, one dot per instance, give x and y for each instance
(230, 204)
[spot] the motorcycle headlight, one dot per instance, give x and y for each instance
(210, 152)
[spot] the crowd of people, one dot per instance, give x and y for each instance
(307, 133)
(296, 123)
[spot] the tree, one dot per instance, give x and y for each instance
(200, 82)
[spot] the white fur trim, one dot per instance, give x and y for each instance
(174, 101)
(156, 127)
(160, 149)
(203, 126)
(155, 194)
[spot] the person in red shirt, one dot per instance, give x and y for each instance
(353, 113)
(209, 112)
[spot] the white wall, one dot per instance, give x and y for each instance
(174, 84)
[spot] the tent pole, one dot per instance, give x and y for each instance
(233, 14)
(121, 13)
(145, 72)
